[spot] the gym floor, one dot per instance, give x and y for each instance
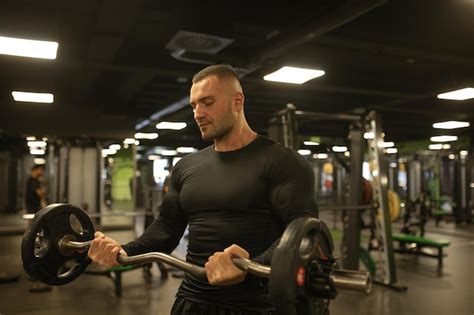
(428, 292)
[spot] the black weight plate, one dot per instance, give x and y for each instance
(304, 240)
(40, 253)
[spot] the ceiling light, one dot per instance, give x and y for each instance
(153, 157)
(446, 146)
(129, 141)
(388, 144)
(186, 150)
(33, 97)
(437, 146)
(40, 144)
(293, 75)
(463, 153)
(339, 148)
(452, 156)
(304, 152)
(168, 152)
(28, 48)
(443, 138)
(30, 138)
(369, 135)
(347, 154)
(171, 125)
(149, 136)
(391, 150)
(106, 152)
(310, 143)
(115, 147)
(37, 152)
(458, 95)
(451, 124)
(39, 161)
(320, 156)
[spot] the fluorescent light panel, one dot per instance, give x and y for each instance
(28, 48)
(37, 152)
(33, 97)
(293, 75)
(39, 161)
(458, 95)
(320, 156)
(443, 138)
(304, 152)
(391, 150)
(339, 148)
(452, 124)
(186, 150)
(310, 143)
(171, 125)
(169, 152)
(114, 147)
(40, 144)
(149, 136)
(129, 141)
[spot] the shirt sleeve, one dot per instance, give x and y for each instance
(291, 194)
(164, 233)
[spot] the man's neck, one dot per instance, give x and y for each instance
(235, 140)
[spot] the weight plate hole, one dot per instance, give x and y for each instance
(41, 243)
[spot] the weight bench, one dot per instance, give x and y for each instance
(114, 273)
(439, 215)
(420, 241)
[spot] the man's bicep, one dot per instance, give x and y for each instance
(292, 190)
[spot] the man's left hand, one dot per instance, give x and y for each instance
(220, 269)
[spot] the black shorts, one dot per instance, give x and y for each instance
(184, 306)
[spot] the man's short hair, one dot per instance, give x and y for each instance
(37, 166)
(221, 71)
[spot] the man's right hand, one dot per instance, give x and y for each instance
(104, 250)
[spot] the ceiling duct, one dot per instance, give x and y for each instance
(197, 43)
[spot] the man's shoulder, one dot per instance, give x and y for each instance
(276, 149)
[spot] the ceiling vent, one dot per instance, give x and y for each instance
(197, 42)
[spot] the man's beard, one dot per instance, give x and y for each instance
(218, 131)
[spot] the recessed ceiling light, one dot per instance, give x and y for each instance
(458, 95)
(369, 135)
(171, 125)
(320, 156)
(114, 147)
(436, 146)
(186, 150)
(443, 138)
(339, 148)
(28, 48)
(304, 152)
(293, 75)
(129, 141)
(37, 144)
(169, 152)
(33, 97)
(452, 124)
(143, 135)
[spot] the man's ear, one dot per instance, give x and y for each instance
(239, 100)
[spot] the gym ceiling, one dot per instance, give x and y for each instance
(123, 64)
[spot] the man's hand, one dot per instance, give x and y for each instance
(104, 250)
(220, 269)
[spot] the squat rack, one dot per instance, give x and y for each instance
(283, 128)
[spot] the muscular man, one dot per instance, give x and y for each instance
(237, 196)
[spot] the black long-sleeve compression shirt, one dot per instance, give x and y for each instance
(245, 197)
